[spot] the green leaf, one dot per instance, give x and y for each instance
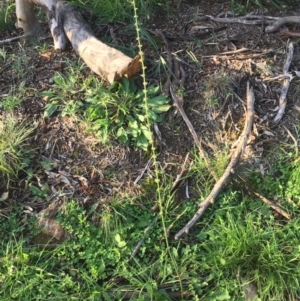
(153, 90)
(147, 132)
(122, 135)
(106, 296)
(142, 142)
(157, 101)
(160, 109)
(50, 109)
(46, 165)
(120, 242)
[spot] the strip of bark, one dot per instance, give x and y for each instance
(286, 83)
(230, 168)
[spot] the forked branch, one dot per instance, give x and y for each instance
(230, 168)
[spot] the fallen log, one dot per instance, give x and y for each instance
(66, 23)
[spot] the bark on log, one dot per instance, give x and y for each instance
(66, 23)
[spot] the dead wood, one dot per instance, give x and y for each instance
(286, 83)
(13, 39)
(66, 23)
(178, 179)
(274, 23)
(230, 168)
(248, 19)
(178, 101)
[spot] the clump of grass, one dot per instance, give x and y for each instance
(13, 135)
(121, 10)
(6, 15)
(258, 248)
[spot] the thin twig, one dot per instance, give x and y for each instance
(242, 20)
(294, 139)
(139, 244)
(179, 106)
(179, 177)
(286, 83)
(13, 39)
(273, 205)
(230, 168)
(143, 171)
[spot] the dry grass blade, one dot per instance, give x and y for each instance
(234, 160)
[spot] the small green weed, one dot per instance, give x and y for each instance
(120, 112)
(116, 112)
(63, 95)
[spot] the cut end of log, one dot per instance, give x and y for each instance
(129, 71)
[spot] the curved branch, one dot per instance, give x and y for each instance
(230, 168)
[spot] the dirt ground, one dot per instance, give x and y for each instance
(214, 99)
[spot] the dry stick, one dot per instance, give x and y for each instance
(286, 83)
(143, 171)
(230, 168)
(293, 138)
(273, 205)
(242, 20)
(13, 39)
(21, 37)
(179, 106)
(289, 19)
(179, 177)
